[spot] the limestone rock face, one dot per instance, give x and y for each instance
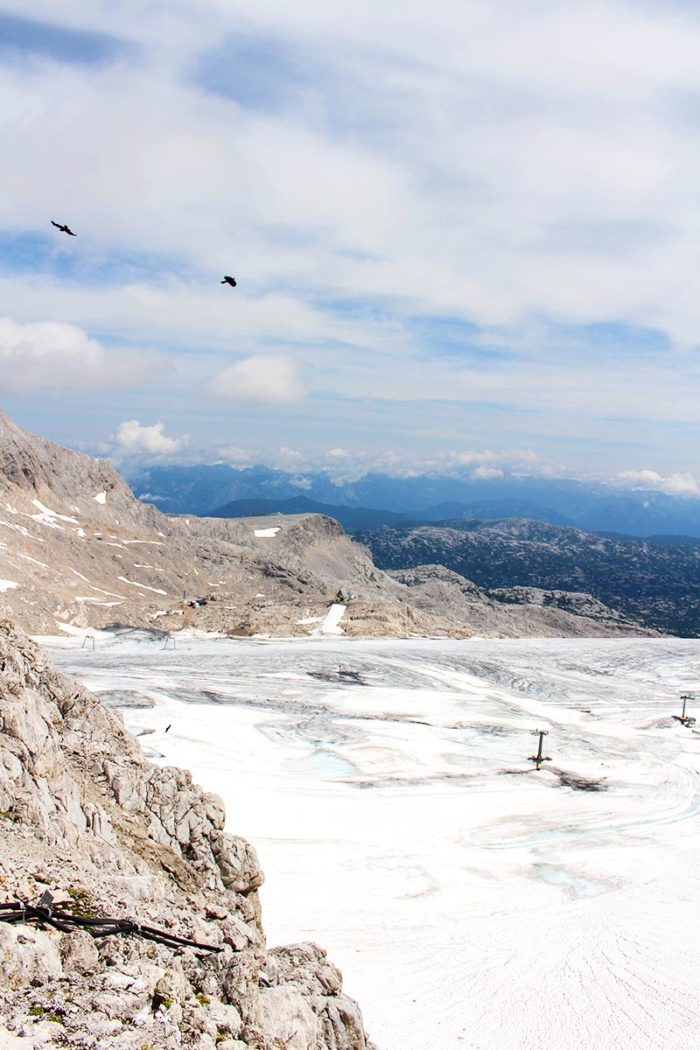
(85, 816)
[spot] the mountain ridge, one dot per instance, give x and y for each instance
(655, 584)
(78, 551)
(592, 506)
(351, 518)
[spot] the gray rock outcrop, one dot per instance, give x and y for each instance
(86, 817)
(514, 612)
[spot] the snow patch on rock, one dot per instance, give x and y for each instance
(144, 586)
(331, 621)
(46, 516)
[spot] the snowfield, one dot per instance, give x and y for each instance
(470, 901)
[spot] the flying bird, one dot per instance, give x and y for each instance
(63, 228)
(229, 280)
(167, 727)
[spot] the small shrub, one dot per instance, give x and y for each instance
(37, 1010)
(82, 903)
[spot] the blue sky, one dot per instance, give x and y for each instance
(465, 234)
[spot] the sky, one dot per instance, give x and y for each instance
(466, 234)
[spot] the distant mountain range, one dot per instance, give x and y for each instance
(351, 518)
(205, 490)
(656, 583)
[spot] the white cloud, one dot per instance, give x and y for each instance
(260, 380)
(487, 465)
(483, 466)
(292, 455)
(232, 454)
(53, 355)
(135, 439)
(679, 484)
(488, 473)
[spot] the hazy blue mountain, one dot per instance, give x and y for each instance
(351, 518)
(592, 507)
(203, 489)
(490, 510)
(673, 541)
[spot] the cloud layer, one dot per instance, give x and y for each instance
(675, 485)
(468, 224)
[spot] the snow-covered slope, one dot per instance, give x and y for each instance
(470, 901)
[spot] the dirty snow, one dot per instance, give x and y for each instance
(469, 901)
(28, 557)
(96, 601)
(8, 585)
(143, 586)
(21, 529)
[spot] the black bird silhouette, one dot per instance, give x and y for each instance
(167, 727)
(63, 229)
(229, 280)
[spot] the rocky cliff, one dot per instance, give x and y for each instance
(84, 816)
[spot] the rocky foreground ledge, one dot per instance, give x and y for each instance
(84, 816)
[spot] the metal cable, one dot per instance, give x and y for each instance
(45, 914)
